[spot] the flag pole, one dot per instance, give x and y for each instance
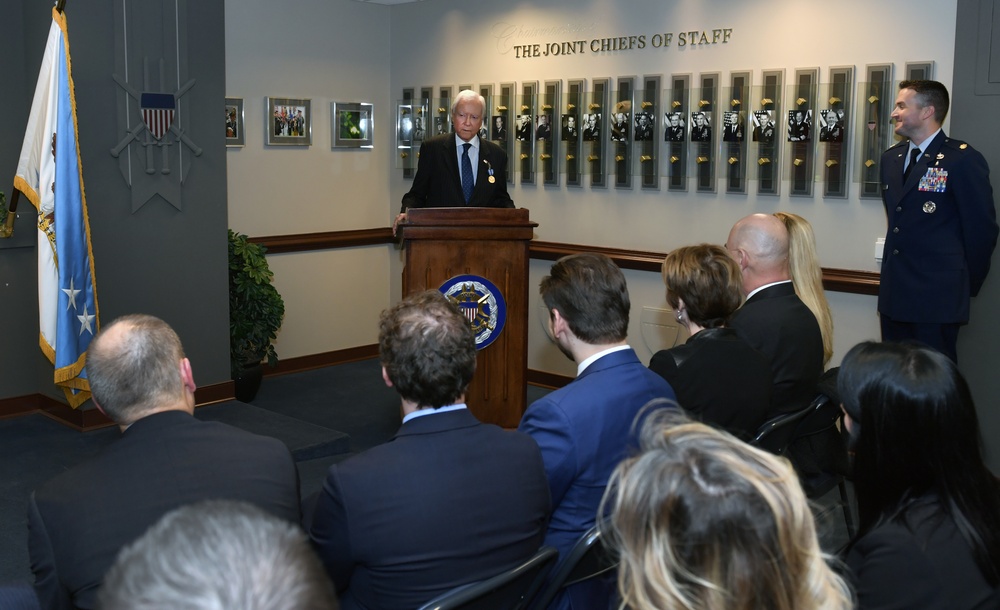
(60, 5)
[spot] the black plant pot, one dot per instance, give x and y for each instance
(248, 382)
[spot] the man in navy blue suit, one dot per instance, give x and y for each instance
(441, 163)
(449, 500)
(942, 226)
(586, 428)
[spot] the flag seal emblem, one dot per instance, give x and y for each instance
(158, 112)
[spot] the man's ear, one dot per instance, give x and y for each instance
(187, 375)
(385, 378)
(559, 323)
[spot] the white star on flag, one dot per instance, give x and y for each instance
(71, 294)
(85, 321)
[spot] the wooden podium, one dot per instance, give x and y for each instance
(492, 243)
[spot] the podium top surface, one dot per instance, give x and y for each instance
(473, 217)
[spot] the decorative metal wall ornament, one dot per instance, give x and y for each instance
(155, 152)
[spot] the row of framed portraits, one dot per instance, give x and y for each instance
(682, 131)
(289, 122)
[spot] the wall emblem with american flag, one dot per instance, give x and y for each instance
(157, 112)
(481, 302)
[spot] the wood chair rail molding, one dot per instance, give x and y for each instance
(853, 281)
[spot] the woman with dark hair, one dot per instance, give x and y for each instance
(929, 507)
(719, 379)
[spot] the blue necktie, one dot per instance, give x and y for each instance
(467, 173)
(914, 156)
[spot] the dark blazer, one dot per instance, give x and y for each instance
(438, 182)
(78, 521)
(920, 561)
(448, 501)
(938, 244)
(719, 380)
(584, 430)
(776, 323)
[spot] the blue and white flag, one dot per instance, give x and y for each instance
(50, 175)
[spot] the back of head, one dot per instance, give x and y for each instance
(763, 240)
(930, 93)
(134, 367)
(218, 555)
(704, 521)
(807, 275)
(428, 349)
(590, 292)
(707, 279)
(915, 432)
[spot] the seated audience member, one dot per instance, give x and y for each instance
(774, 320)
(164, 459)
(218, 555)
(703, 520)
(807, 275)
(449, 500)
(718, 378)
(929, 507)
(585, 428)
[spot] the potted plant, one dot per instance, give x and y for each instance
(255, 314)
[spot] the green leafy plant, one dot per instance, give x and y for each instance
(255, 307)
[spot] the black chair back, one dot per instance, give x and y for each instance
(588, 558)
(509, 590)
(776, 434)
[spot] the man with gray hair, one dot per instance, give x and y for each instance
(218, 555)
(774, 320)
(459, 169)
(163, 459)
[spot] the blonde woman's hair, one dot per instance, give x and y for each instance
(807, 276)
(703, 521)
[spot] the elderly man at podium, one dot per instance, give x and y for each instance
(459, 169)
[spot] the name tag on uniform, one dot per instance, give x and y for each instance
(934, 181)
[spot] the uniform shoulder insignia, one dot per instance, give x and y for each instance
(956, 144)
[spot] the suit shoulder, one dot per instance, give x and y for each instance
(958, 147)
(897, 147)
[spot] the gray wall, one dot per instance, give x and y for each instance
(973, 98)
(157, 260)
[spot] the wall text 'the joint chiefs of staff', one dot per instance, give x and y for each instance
(624, 43)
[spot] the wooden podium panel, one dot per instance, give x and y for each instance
(442, 243)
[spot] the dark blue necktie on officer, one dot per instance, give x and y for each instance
(914, 155)
(467, 181)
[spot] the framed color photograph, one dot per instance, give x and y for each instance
(289, 121)
(234, 122)
(352, 125)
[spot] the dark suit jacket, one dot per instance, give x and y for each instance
(584, 430)
(438, 182)
(719, 380)
(921, 562)
(776, 323)
(938, 244)
(447, 502)
(78, 521)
